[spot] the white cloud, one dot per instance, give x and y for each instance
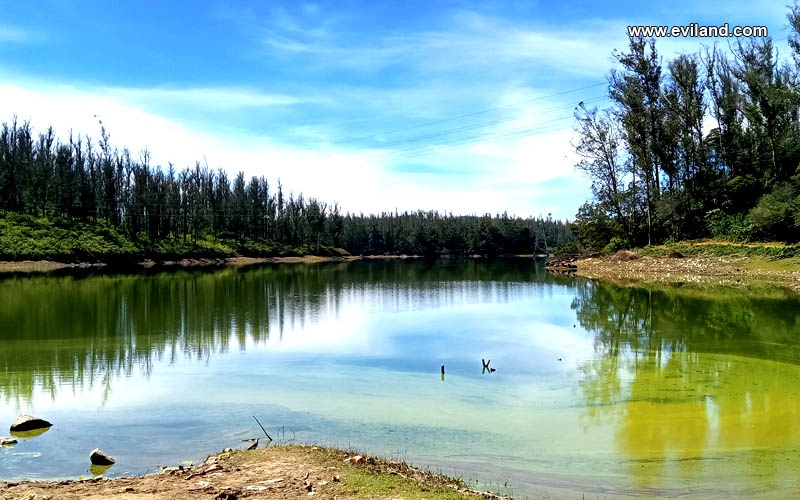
(503, 177)
(214, 98)
(11, 34)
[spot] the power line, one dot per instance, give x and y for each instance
(476, 138)
(514, 134)
(485, 124)
(474, 113)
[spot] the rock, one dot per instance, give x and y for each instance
(4, 441)
(227, 495)
(29, 423)
(99, 458)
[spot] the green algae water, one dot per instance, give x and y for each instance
(599, 391)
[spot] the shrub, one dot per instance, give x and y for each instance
(776, 214)
(741, 228)
(616, 244)
(717, 224)
(572, 247)
(736, 227)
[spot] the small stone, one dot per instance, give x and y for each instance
(5, 441)
(97, 457)
(29, 423)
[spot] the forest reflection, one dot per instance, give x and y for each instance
(694, 381)
(71, 331)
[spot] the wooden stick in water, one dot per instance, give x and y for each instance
(262, 428)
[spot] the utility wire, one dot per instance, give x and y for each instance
(523, 132)
(474, 113)
(590, 100)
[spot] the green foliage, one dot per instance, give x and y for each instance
(103, 203)
(740, 191)
(736, 227)
(776, 214)
(28, 237)
(741, 228)
(616, 244)
(710, 249)
(573, 247)
(717, 223)
(595, 226)
(665, 177)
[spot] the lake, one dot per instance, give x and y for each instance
(599, 390)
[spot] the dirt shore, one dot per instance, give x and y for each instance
(43, 266)
(278, 472)
(702, 270)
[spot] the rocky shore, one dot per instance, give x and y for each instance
(275, 472)
(700, 269)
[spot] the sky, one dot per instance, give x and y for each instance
(458, 106)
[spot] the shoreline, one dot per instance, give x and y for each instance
(273, 472)
(46, 266)
(691, 265)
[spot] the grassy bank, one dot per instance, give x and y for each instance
(273, 473)
(27, 238)
(701, 263)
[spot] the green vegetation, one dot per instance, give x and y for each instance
(78, 200)
(659, 175)
(39, 238)
(721, 248)
(374, 478)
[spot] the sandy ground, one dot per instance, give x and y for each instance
(747, 272)
(271, 473)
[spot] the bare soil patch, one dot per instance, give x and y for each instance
(675, 268)
(279, 472)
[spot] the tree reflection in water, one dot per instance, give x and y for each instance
(695, 381)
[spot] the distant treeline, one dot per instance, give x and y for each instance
(79, 190)
(660, 174)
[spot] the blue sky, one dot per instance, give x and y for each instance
(337, 99)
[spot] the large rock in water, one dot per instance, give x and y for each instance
(29, 423)
(99, 458)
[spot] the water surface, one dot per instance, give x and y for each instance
(599, 390)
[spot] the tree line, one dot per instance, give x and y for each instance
(97, 185)
(660, 173)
